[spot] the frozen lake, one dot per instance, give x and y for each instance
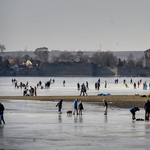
(7, 88)
(36, 125)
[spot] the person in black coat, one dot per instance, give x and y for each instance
(1, 113)
(147, 109)
(80, 108)
(105, 107)
(59, 105)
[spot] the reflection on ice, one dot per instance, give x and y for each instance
(39, 121)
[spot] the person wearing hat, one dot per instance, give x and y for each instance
(133, 110)
(75, 107)
(105, 107)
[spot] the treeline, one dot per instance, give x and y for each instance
(99, 58)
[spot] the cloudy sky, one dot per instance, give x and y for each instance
(116, 25)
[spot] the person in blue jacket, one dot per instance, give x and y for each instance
(59, 105)
(75, 107)
(133, 110)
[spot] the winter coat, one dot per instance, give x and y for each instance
(1, 108)
(75, 104)
(134, 109)
(147, 106)
(80, 106)
(59, 104)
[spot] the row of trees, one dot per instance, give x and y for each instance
(4, 64)
(98, 58)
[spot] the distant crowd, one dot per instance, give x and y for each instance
(32, 90)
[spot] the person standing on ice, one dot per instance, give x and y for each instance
(64, 83)
(105, 84)
(80, 107)
(147, 109)
(75, 107)
(105, 106)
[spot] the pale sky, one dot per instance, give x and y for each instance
(116, 25)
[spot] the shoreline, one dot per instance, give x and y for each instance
(121, 101)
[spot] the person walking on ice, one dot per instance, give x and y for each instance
(75, 107)
(59, 105)
(1, 113)
(105, 106)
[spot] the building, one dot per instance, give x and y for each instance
(146, 62)
(33, 63)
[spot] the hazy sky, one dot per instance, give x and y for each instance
(116, 25)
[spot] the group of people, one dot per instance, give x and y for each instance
(83, 90)
(47, 84)
(79, 87)
(97, 84)
(20, 85)
(134, 84)
(147, 110)
(78, 107)
(32, 91)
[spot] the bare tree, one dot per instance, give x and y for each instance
(66, 57)
(104, 59)
(55, 59)
(42, 54)
(130, 61)
(2, 48)
(17, 59)
(120, 63)
(139, 62)
(80, 57)
(5, 64)
(7, 57)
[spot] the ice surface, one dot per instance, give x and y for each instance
(37, 125)
(7, 88)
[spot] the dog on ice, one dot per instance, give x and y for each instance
(69, 112)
